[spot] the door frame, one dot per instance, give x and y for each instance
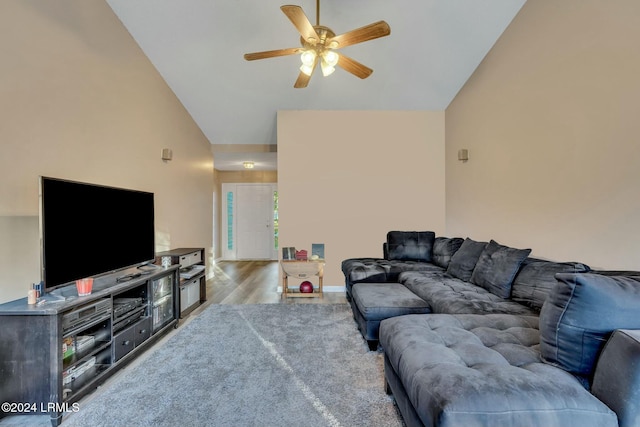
(229, 194)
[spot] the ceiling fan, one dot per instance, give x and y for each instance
(319, 44)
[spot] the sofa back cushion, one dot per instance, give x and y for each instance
(464, 260)
(537, 277)
(580, 314)
(496, 268)
(410, 245)
(444, 248)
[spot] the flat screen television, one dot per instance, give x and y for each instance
(89, 230)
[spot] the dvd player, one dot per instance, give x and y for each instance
(86, 314)
(122, 306)
(129, 319)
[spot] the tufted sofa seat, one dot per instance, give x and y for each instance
(471, 370)
(447, 294)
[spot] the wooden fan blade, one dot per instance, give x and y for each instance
(354, 67)
(303, 79)
(301, 22)
(271, 53)
(359, 35)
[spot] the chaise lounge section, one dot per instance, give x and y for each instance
(505, 339)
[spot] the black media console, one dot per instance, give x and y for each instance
(54, 353)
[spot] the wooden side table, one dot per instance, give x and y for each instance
(301, 270)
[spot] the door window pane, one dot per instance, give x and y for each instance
(275, 218)
(230, 220)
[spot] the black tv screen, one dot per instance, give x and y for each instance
(88, 230)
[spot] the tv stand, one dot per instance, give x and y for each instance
(55, 353)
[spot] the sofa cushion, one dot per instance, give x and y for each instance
(484, 370)
(444, 248)
(447, 294)
(410, 245)
(379, 270)
(496, 268)
(580, 314)
(378, 301)
(537, 277)
(464, 260)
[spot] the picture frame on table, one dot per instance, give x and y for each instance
(289, 253)
(317, 249)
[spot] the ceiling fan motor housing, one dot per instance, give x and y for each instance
(325, 33)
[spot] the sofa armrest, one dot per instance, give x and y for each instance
(385, 250)
(616, 380)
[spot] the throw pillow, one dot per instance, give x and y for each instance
(496, 268)
(464, 260)
(444, 248)
(581, 313)
(410, 245)
(537, 277)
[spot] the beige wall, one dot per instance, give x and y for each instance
(224, 177)
(361, 174)
(79, 100)
(551, 121)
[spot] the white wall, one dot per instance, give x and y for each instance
(346, 178)
(550, 119)
(79, 100)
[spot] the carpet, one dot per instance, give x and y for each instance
(251, 365)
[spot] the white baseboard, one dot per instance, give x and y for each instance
(334, 289)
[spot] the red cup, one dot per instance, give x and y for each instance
(84, 286)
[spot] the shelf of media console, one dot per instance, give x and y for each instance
(78, 356)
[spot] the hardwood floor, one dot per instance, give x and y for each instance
(255, 282)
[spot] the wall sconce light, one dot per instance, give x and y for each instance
(167, 154)
(248, 165)
(463, 155)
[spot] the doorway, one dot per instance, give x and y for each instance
(249, 221)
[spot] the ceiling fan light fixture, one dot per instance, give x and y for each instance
(308, 57)
(307, 69)
(327, 69)
(330, 57)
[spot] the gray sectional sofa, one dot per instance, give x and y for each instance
(480, 334)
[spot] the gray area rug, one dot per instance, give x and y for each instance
(251, 365)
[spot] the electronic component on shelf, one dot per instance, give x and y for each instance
(122, 306)
(86, 314)
(127, 311)
(84, 343)
(76, 371)
(191, 271)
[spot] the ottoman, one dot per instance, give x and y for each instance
(373, 302)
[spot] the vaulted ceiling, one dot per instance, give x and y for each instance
(197, 46)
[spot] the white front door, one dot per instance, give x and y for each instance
(249, 222)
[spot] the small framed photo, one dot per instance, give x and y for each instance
(289, 253)
(317, 250)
